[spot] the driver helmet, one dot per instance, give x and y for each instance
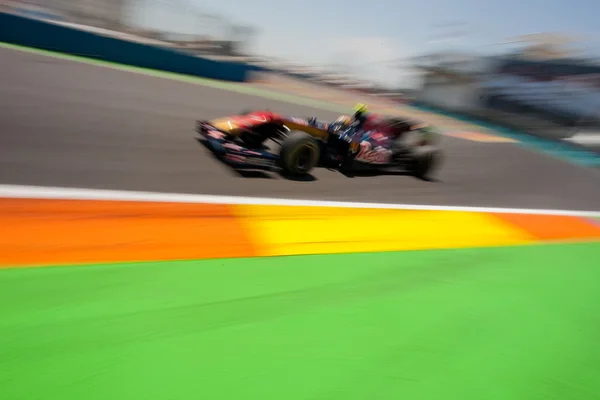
(360, 110)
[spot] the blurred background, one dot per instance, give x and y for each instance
(497, 63)
(493, 77)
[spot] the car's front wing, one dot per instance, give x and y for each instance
(233, 154)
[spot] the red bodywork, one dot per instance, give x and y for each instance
(237, 123)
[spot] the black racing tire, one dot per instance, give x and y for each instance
(424, 160)
(299, 154)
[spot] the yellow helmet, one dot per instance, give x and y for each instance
(360, 108)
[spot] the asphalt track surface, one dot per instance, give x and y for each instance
(64, 123)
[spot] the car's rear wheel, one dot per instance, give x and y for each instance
(424, 160)
(299, 153)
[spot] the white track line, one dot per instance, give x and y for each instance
(42, 192)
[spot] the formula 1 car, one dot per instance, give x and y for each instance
(305, 143)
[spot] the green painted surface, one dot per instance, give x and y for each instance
(504, 323)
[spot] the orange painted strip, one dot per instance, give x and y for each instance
(42, 232)
(34, 231)
(552, 227)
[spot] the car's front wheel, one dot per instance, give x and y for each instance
(299, 153)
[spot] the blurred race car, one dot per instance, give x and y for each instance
(347, 144)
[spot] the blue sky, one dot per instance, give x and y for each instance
(365, 34)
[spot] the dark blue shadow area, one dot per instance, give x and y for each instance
(571, 152)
